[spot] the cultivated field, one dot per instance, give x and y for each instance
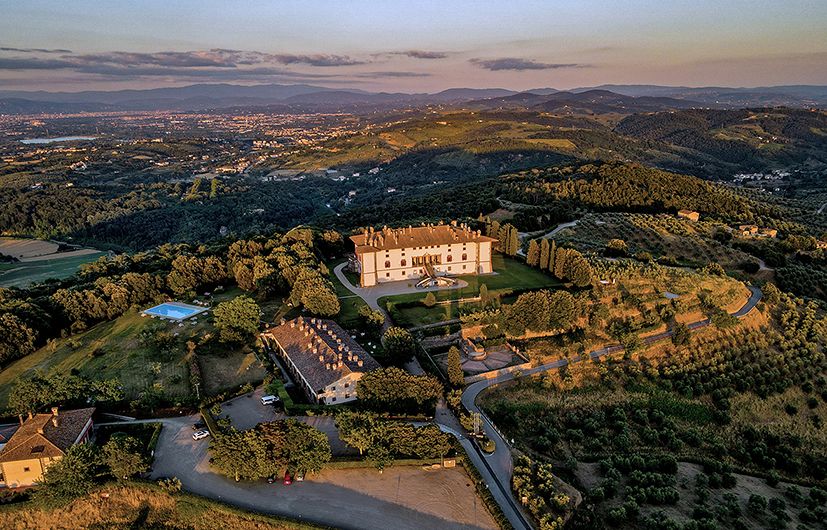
(39, 261)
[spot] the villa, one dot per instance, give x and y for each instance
(426, 251)
(321, 357)
(41, 440)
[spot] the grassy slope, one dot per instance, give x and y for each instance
(122, 356)
(140, 505)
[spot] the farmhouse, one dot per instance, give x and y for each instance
(40, 440)
(322, 358)
(414, 253)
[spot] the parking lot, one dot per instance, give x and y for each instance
(245, 412)
(401, 498)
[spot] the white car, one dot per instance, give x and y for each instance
(200, 435)
(269, 400)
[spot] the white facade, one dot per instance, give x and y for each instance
(397, 264)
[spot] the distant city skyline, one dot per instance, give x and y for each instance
(422, 46)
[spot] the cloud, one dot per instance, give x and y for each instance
(317, 60)
(423, 54)
(32, 50)
(376, 75)
(33, 63)
(514, 63)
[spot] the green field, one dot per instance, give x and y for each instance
(349, 302)
(22, 274)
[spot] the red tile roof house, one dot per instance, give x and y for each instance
(321, 357)
(41, 440)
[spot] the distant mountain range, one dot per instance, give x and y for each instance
(606, 98)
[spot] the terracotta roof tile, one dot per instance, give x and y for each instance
(38, 437)
(416, 236)
(307, 339)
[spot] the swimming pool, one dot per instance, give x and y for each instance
(175, 310)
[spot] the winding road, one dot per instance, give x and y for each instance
(496, 468)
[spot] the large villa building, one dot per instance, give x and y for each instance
(41, 440)
(413, 253)
(321, 357)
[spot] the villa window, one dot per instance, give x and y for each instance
(388, 264)
(387, 275)
(26, 470)
(403, 263)
(450, 258)
(465, 257)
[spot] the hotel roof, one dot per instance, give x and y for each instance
(371, 240)
(321, 350)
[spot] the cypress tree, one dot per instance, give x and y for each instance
(455, 376)
(544, 254)
(533, 254)
(552, 257)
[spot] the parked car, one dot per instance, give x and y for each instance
(300, 477)
(269, 400)
(287, 480)
(199, 426)
(271, 479)
(200, 435)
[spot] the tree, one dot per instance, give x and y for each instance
(430, 300)
(371, 317)
(616, 247)
(680, 334)
(509, 239)
(552, 257)
(357, 429)
(395, 390)
(398, 344)
(16, 338)
(455, 375)
(240, 454)
(124, 456)
(545, 250)
(237, 319)
(315, 293)
(306, 448)
(484, 296)
(380, 456)
(533, 255)
(72, 476)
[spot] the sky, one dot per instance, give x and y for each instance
(412, 45)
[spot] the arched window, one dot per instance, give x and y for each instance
(403, 263)
(465, 257)
(388, 264)
(450, 258)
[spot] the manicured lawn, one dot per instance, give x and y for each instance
(512, 276)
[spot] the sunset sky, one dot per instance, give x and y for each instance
(411, 46)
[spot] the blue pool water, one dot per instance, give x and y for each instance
(175, 311)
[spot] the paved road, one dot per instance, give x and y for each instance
(559, 228)
(499, 463)
(371, 295)
(821, 209)
(317, 500)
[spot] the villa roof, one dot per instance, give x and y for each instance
(371, 240)
(321, 350)
(41, 437)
